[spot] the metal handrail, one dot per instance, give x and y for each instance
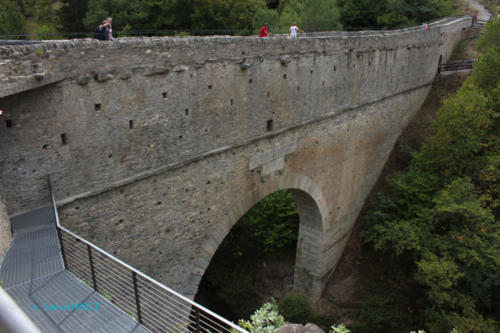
(134, 276)
(456, 65)
(12, 318)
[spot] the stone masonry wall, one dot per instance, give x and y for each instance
(138, 104)
(156, 146)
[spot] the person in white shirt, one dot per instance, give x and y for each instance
(293, 30)
(109, 20)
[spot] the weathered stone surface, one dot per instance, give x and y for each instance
(103, 77)
(5, 234)
(84, 79)
(285, 60)
(156, 168)
(297, 328)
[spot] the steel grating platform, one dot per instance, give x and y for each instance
(32, 272)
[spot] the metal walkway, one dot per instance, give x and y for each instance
(32, 272)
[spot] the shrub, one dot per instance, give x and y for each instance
(296, 308)
(264, 320)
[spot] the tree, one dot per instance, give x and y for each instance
(225, 14)
(390, 14)
(265, 15)
(71, 15)
(140, 15)
(321, 15)
(291, 12)
(11, 19)
(360, 14)
(440, 219)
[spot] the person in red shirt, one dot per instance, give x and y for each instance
(264, 30)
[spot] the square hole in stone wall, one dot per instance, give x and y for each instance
(64, 139)
(269, 125)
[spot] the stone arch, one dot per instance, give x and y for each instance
(313, 212)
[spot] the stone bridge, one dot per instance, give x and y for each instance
(157, 146)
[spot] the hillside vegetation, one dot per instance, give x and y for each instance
(436, 225)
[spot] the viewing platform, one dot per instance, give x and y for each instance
(64, 283)
(33, 274)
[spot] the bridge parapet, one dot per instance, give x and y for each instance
(25, 67)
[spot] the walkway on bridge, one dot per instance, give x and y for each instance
(33, 273)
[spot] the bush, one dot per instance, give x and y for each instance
(264, 320)
(295, 308)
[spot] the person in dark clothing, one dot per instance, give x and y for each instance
(102, 31)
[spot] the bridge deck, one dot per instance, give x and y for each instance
(32, 273)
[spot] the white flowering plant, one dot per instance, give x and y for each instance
(339, 329)
(264, 320)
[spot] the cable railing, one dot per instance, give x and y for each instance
(150, 303)
(457, 65)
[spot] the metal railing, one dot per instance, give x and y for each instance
(12, 318)
(150, 303)
(458, 65)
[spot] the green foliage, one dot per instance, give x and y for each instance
(290, 14)
(295, 307)
(225, 14)
(389, 14)
(46, 31)
(26, 7)
(339, 329)
(268, 231)
(321, 15)
(440, 218)
(265, 15)
(360, 14)
(264, 320)
(139, 15)
(71, 14)
(273, 223)
(44, 13)
(11, 19)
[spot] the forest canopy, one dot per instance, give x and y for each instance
(216, 16)
(438, 222)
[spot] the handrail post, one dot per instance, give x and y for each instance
(61, 245)
(91, 261)
(197, 319)
(137, 302)
(56, 221)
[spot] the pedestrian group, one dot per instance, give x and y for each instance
(104, 31)
(292, 32)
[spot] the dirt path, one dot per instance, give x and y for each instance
(483, 13)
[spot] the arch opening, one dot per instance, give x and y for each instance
(270, 250)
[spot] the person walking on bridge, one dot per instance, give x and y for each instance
(293, 30)
(474, 18)
(264, 30)
(109, 29)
